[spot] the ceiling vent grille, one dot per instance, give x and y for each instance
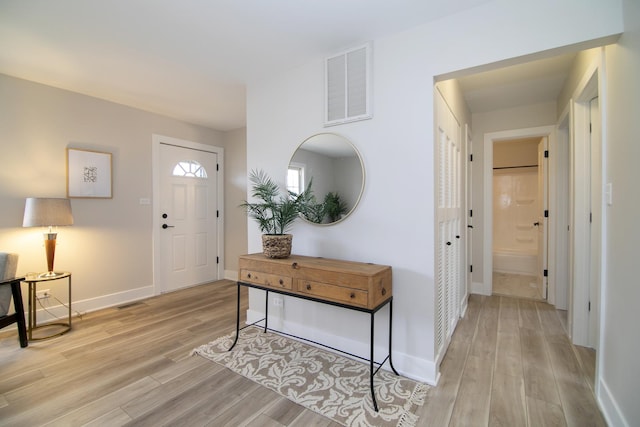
(348, 86)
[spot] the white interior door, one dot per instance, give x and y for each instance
(188, 253)
(542, 218)
(449, 240)
(469, 214)
(595, 220)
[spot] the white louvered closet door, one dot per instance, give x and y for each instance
(449, 218)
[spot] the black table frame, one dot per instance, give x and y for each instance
(371, 312)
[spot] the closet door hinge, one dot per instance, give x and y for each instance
(546, 154)
(217, 260)
(471, 157)
(545, 273)
(546, 213)
(470, 268)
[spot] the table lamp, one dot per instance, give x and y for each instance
(47, 212)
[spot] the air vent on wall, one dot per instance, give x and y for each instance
(347, 86)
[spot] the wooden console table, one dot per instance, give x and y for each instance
(353, 285)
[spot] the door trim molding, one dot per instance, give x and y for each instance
(489, 139)
(156, 141)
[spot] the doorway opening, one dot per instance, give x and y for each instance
(515, 208)
(519, 200)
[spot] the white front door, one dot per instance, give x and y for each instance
(188, 250)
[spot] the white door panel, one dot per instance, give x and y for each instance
(595, 220)
(450, 246)
(542, 219)
(188, 206)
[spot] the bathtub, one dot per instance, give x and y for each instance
(515, 262)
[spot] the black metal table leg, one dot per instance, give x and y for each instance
(266, 311)
(237, 320)
(371, 371)
(390, 335)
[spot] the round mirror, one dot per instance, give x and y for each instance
(327, 175)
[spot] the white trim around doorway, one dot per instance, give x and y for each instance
(489, 139)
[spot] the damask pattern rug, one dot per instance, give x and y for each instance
(330, 384)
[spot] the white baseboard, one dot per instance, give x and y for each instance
(610, 408)
(464, 304)
(59, 311)
(407, 365)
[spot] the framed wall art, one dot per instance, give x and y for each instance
(88, 174)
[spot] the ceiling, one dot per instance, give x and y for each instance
(528, 83)
(192, 59)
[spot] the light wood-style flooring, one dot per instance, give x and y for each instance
(516, 285)
(509, 363)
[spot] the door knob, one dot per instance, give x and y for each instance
(164, 215)
(536, 224)
(167, 226)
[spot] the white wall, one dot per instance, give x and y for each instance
(620, 374)
(395, 222)
(109, 247)
(235, 191)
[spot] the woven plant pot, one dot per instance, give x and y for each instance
(276, 245)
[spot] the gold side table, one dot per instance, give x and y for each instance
(33, 279)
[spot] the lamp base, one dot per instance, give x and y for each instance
(50, 274)
(50, 249)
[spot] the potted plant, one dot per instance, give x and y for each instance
(275, 213)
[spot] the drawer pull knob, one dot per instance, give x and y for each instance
(249, 275)
(294, 265)
(384, 291)
(352, 295)
(281, 282)
(308, 287)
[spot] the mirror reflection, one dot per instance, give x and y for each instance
(327, 170)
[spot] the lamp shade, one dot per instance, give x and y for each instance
(45, 212)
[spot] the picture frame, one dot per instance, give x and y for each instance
(88, 174)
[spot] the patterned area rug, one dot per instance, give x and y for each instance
(327, 383)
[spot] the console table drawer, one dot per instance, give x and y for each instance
(333, 278)
(333, 293)
(265, 279)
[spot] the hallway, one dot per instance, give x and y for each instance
(510, 363)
